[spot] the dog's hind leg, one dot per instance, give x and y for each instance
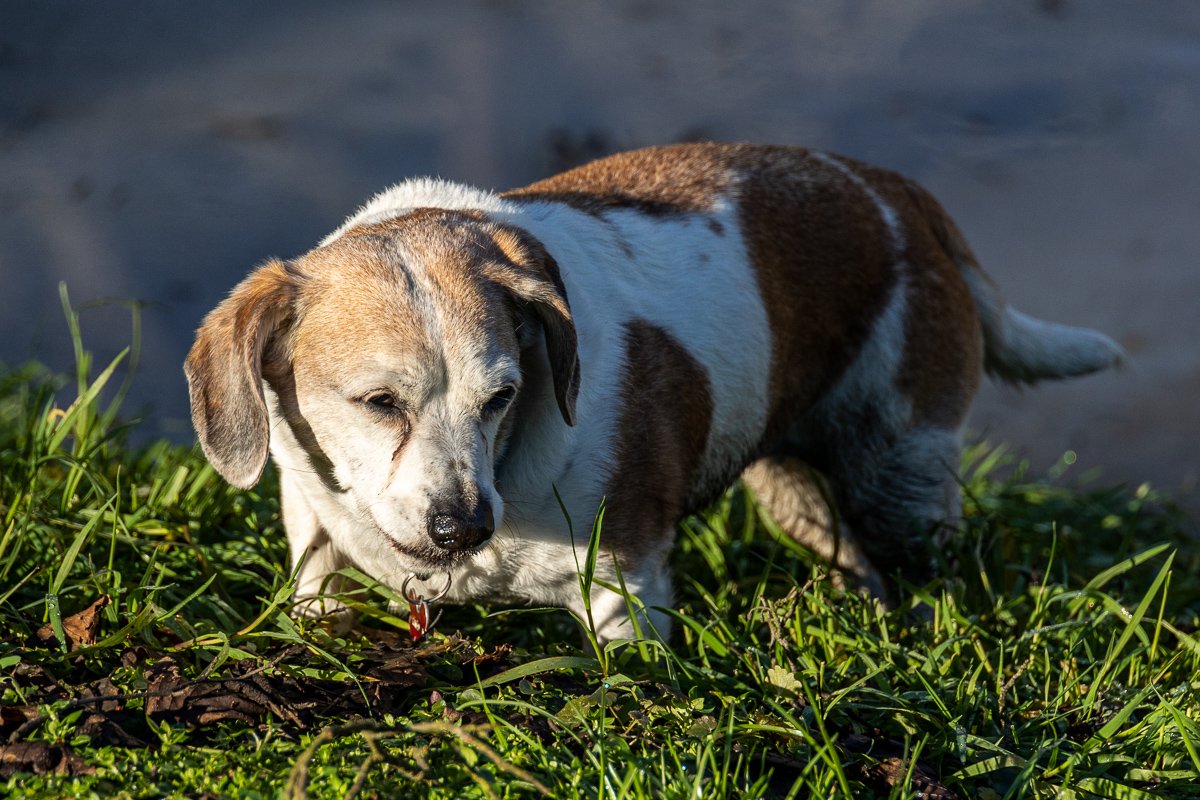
(902, 501)
(800, 502)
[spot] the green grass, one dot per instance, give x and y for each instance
(1059, 662)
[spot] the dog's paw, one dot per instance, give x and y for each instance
(327, 610)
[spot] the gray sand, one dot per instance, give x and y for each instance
(158, 150)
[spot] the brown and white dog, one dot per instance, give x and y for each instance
(642, 330)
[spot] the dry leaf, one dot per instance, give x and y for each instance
(892, 771)
(41, 758)
(79, 628)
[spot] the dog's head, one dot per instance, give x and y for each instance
(394, 356)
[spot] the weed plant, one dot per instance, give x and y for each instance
(1059, 660)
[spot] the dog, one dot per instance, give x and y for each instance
(455, 381)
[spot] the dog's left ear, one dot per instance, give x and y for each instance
(536, 281)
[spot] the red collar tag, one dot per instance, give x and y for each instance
(418, 616)
(419, 622)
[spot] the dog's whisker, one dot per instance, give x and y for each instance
(298, 470)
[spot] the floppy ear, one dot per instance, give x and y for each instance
(224, 371)
(535, 280)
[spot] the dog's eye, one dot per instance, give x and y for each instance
(499, 401)
(383, 401)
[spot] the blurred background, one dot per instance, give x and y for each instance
(158, 150)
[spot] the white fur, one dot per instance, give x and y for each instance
(421, 193)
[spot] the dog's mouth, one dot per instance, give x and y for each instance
(428, 557)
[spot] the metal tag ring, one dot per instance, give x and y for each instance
(417, 598)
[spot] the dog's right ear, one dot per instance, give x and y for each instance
(536, 280)
(225, 367)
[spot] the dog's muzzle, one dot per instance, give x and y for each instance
(458, 530)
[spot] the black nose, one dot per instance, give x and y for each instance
(463, 531)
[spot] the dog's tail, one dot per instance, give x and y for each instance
(1021, 349)
(1017, 347)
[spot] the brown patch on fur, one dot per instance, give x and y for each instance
(943, 356)
(825, 268)
(666, 411)
(361, 295)
(674, 179)
(943, 343)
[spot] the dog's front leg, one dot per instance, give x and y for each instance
(313, 558)
(637, 613)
